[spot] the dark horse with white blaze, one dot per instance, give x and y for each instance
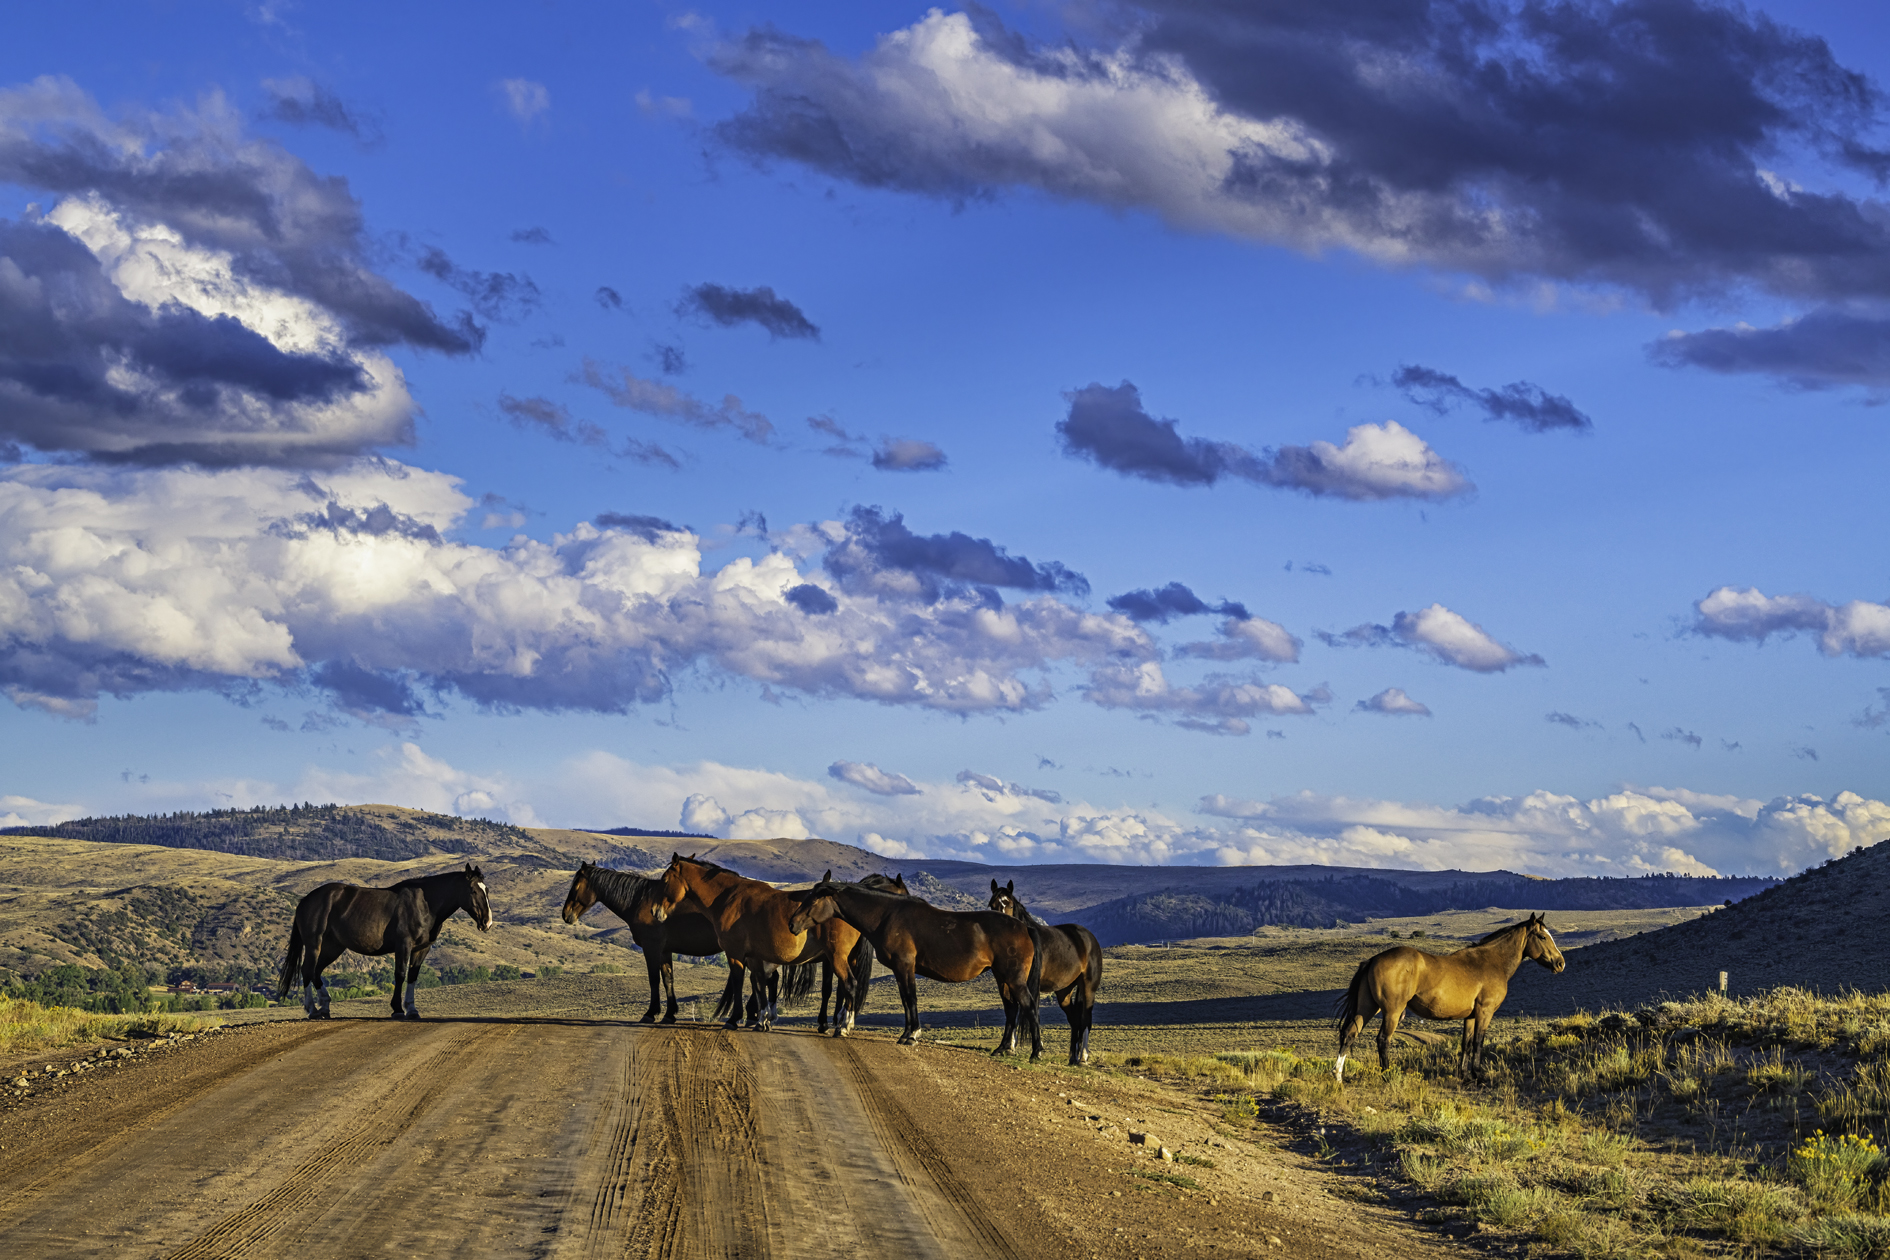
(634, 899)
(915, 939)
(1072, 966)
(1468, 985)
(403, 921)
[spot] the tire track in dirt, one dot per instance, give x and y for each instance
(378, 1123)
(700, 1172)
(924, 1164)
(99, 1133)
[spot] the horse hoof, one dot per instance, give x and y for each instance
(667, 1019)
(650, 1018)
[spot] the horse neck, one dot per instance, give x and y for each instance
(618, 890)
(705, 886)
(1024, 913)
(442, 898)
(1511, 947)
(865, 911)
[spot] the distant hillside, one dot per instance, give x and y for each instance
(296, 833)
(1820, 930)
(1176, 914)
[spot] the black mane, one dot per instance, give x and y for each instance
(617, 888)
(1505, 931)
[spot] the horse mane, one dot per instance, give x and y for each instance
(623, 887)
(876, 882)
(1505, 931)
(709, 868)
(416, 881)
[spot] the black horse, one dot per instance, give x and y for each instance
(403, 921)
(1072, 967)
(632, 898)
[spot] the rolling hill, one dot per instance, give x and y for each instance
(1820, 930)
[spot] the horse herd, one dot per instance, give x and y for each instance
(776, 939)
(773, 939)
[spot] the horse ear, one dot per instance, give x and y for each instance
(1010, 886)
(828, 877)
(994, 888)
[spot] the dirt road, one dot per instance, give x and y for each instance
(507, 1136)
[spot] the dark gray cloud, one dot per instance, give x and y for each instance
(908, 455)
(196, 384)
(554, 420)
(1318, 570)
(608, 298)
(302, 102)
(1522, 403)
(368, 693)
(669, 359)
(1173, 600)
(1804, 753)
(649, 528)
(1631, 144)
(1569, 720)
(728, 307)
(281, 224)
(811, 599)
(532, 236)
(378, 521)
(1679, 736)
(876, 542)
(626, 389)
(497, 295)
(1110, 427)
(1827, 347)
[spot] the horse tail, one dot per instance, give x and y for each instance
(1093, 948)
(797, 980)
(731, 994)
(860, 972)
(1346, 1008)
(1036, 964)
(289, 964)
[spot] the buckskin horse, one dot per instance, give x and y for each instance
(916, 938)
(1072, 966)
(1468, 985)
(634, 899)
(750, 919)
(403, 921)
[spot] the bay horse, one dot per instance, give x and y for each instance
(916, 938)
(1072, 966)
(750, 919)
(1468, 985)
(634, 899)
(403, 920)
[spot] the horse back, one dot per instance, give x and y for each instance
(375, 921)
(1447, 986)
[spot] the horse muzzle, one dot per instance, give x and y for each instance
(570, 916)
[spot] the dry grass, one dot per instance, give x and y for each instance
(27, 1026)
(1750, 1126)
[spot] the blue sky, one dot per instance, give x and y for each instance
(1390, 434)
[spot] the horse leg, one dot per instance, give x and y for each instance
(401, 954)
(413, 978)
(826, 993)
(1349, 1031)
(653, 968)
(669, 985)
(328, 955)
(1480, 1020)
(1386, 1031)
(732, 995)
(909, 997)
(1071, 1003)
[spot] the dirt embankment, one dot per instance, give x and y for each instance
(554, 1134)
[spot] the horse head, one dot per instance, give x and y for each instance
(675, 889)
(816, 905)
(582, 896)
(1004, 900)
(479, 907)
(1541, 946)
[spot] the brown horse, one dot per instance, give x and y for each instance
(1072, 966)
(750, 919)
(915, 938)
(1468, 985)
